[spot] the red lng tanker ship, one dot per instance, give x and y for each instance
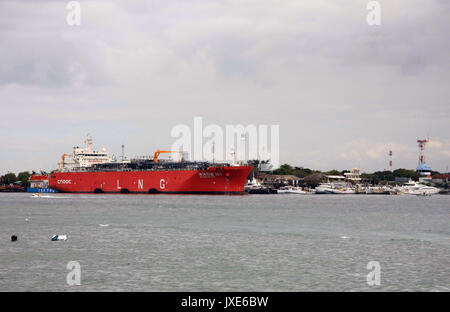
(98, 172)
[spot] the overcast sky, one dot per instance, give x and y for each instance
(343, 93)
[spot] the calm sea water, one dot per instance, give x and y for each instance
(225, 243)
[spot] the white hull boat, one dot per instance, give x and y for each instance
(330, 188)
(291, 190)
(414, 188)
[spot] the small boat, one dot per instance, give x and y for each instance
(324, 188)
(255, 187)
(379, 190)
(253, 184)
(35, 195)
(334, 188)
(344, 190)
(291, 190)
(58, 238)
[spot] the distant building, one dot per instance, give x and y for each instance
(335, 178)
(440, 178)
(424, 170)
(353, 176)
(425, 179)
(279, 179)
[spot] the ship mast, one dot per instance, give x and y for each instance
(89, 143)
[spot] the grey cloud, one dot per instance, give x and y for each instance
(134, 69)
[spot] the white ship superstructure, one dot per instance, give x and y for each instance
(86, 157)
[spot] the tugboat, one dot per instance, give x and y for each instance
(39, 184)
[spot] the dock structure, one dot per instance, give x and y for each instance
(278, 180)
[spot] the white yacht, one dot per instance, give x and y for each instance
(414, 188)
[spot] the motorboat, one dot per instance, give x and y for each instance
(324, 188)
(414, 188)
(253, 184)
(334, 188)
(291, 190)
(382, 190)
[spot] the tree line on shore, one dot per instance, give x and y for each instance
(21, 178)
(286, 169)
(376, 177)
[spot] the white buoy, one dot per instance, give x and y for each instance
(59, 237)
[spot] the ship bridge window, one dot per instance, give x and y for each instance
(94, 155)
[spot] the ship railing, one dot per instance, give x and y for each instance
(89, 169)
(142, 165)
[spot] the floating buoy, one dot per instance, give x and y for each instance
(13, 238)
(59, 237)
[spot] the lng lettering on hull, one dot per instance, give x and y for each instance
(213, 180)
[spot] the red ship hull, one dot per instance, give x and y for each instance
(214, 180)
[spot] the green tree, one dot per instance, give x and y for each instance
(24, 178)
(333, 172)
(302, 172)
(256, 163)
(383, 176)
(314, 179)
(370, 178)
(284, 169)
(9, 178)
(412, 174)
